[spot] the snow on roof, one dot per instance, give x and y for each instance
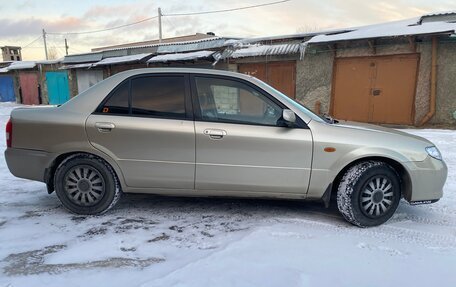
(180, 43)
(19, 65)
(181, 57)
(123, 59)
(392, 29)
(50, 62)
(77, 66)
(83, 58)
(439, 13)
(266, 50)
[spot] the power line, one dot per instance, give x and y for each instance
(226, 10)
(169, 15)
(39, 37)
(103, 30)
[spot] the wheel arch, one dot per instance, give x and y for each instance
(404, 176)
(51, 169)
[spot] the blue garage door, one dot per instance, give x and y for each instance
(7, 89)
(58, 90)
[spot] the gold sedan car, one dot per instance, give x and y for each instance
(195, 132)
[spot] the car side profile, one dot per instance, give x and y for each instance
(198, 132)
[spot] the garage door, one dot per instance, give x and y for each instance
(58, 89)
(88, 78)
(280, 75)
(375, 89)
(29, 89)
(7, 89)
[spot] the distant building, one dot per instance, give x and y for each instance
(11, 53)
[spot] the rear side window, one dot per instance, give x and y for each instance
(118, 102)
(158, 96)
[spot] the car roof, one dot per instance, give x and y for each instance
(184, 71)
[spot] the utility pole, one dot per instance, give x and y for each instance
(159, 25)
(45, 45)
(66, 47)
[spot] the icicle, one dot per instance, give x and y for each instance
(302, 50)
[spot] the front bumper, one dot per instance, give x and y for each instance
(29, 164)
(427, 180)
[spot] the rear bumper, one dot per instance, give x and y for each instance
(28, 164)
(427, 178)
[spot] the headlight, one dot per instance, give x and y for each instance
(434, 152)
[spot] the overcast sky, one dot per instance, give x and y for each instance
(21, 21)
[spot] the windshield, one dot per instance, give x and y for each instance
(297, 104)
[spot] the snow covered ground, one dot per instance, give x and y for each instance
(155, 241)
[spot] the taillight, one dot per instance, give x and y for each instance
(9, 133)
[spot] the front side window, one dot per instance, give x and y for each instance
(157, 96)
(224, 100)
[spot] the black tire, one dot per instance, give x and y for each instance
(86, 184)
(369, 193)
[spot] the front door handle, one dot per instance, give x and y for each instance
(105, 127)
(215, 134)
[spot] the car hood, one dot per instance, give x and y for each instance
(379, 129)
(359, 140)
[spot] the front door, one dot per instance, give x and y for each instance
(58, 90)
(146, 126)
(239, 145)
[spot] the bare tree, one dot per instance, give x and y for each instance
(52, 53)
(308, 28)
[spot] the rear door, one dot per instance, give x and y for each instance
(146, 125)
(239, 145)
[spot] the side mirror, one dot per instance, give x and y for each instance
(289, 116)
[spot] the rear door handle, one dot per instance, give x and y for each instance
(215, 134)
(105, 127)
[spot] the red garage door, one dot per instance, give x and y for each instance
(29, 88)
(280, 75)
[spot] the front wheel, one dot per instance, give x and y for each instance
(369, 193)
(86, 184)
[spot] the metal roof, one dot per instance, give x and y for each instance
(181, 57)
(83, 58)
(449, 16)
(184, 45)
(163, 48)
(439, 13)
(19, 65)
(77, 66)
(263, 50)
(123, 59)
(407, 27)
(204, 44)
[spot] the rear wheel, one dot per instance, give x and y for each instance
(86, 184)
(369, 193)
